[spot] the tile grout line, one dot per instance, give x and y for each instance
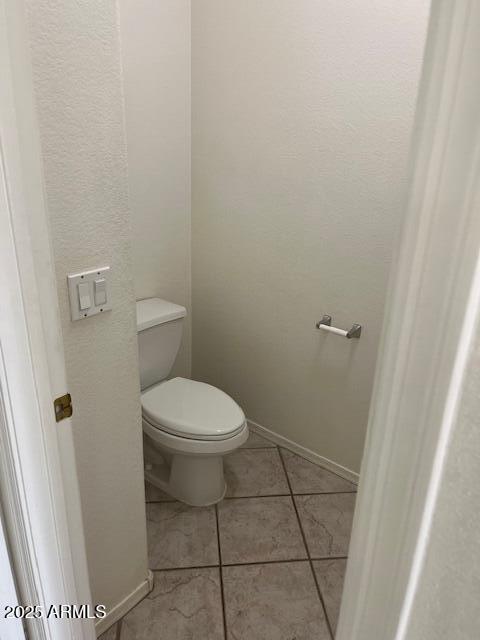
(271, 495)
(220, 573)
(319, 593)
(246, 564)
(272, 446)
(194, 567)
(221, 564)
(299, 455)
(295, 453)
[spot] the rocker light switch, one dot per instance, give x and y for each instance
(88, 292)
(84, 301)
(100, 291)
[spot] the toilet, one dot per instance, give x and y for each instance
(188, 426)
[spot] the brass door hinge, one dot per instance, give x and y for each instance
(63, 407)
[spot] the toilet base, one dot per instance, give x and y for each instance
(188, 470)
(198, 482)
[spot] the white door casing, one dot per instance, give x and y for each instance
(10, 628)
(38, 479)
(432, 312)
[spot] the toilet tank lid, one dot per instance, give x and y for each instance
(153, 311)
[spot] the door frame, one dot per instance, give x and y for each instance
(38, 480)
(12, 628)
(433, 311)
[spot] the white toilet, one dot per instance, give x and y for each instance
(188, 426)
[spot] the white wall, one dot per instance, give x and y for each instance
(76, 62)
(156, 75)
(301, 116)
(447, 601)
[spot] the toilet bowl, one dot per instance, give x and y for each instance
(188, 426)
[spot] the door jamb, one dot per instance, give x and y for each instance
(38, 481)
(432, 315)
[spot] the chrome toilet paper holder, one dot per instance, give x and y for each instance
(326, 325)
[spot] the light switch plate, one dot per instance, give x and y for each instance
(88, 278)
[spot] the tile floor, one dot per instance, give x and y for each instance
(267, 563)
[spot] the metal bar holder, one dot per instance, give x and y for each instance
(326, 324)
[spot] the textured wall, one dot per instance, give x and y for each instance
(156, 36)
(75, 51)
(302, 113)
(447, 602)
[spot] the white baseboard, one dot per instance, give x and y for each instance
(123, 607)
(317, 459)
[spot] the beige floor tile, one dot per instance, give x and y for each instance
(256, 441)
(259, 530)
(184, 605)
(327, 522)
(255, 472)
(306, 477)
(110, 634)
(154, 494)
(276, 601)
(330, 576)
(181, 536)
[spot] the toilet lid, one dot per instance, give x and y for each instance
(192, 409)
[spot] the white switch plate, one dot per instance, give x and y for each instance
(88, 278)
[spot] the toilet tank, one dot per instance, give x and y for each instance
(159, 332)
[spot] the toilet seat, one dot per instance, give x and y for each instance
(192, 410)
(190, 447)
